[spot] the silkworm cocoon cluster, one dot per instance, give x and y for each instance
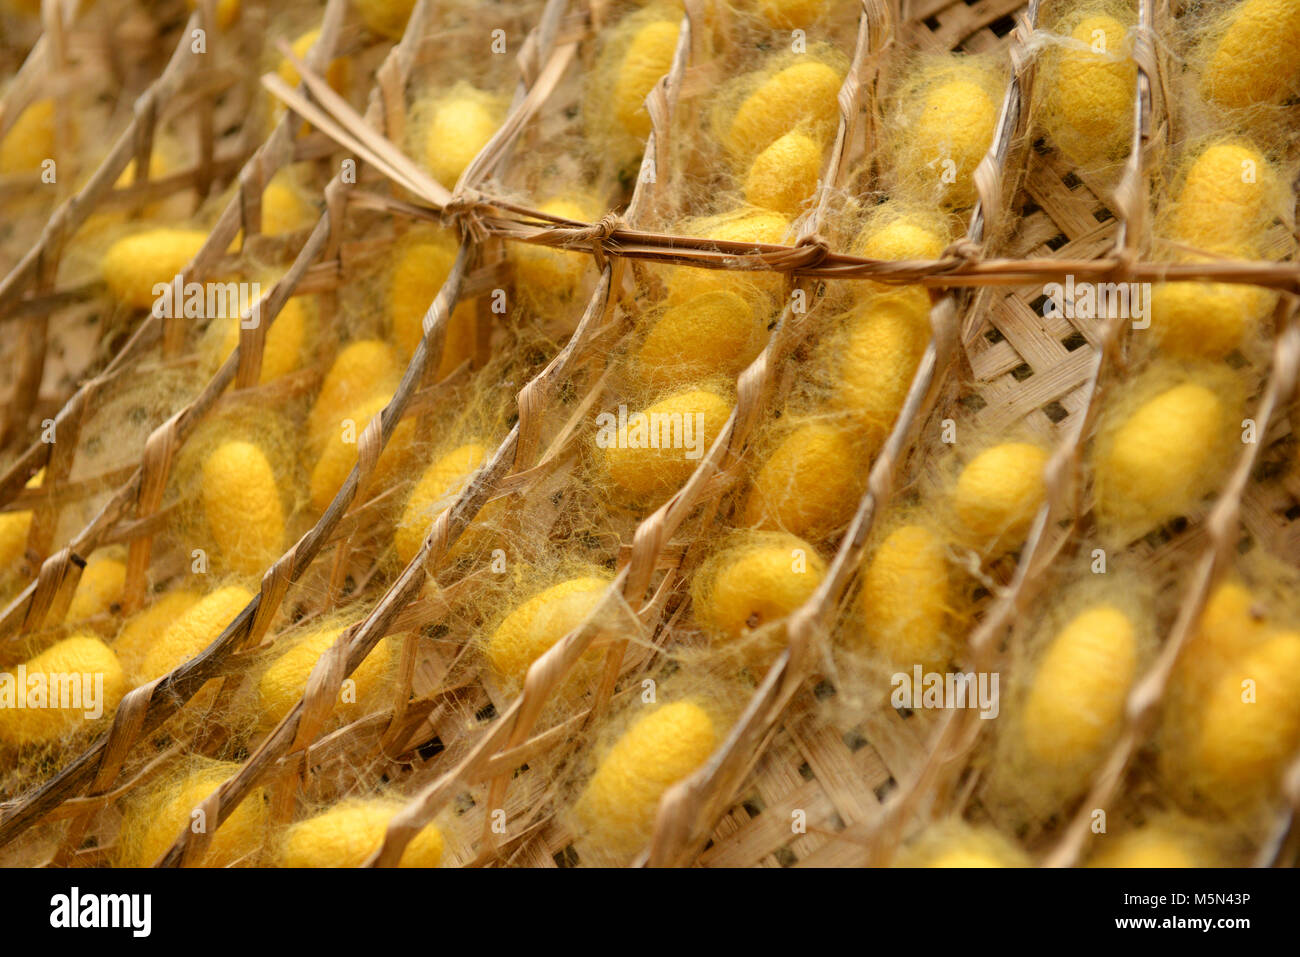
(999, 492)
(348, 833)
(1207, 320)
(1230, 194)
(227, 11)
(791, 14)
(542, 272)
(143, 630)
(153, 823)
(386, 17)
(1253, 54)
(1160, 844)
(800, 97)
(649, 56)
(67, 685)
(99, 589)
(282, 347)
(363, 368)
(616, 810)
(1162, 458)
(283, 682)
(14, 529)
(421, 268)
(810, 484)
(758, 580)
(943, 137)
(1090, 87)
(784, 175)
(655, 451)
(953, 843)
(30, 141)
(241, 499)
(133, 265)
(434, 493)
(905, 600)
(744, 225)
(461, 121)
(341, 450)
(714, 333)
(538, 623)
(192, 631)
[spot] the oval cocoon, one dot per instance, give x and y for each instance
(1090, 92)
(282, 346)
(999, 492)
(785, 174)
(1230, 194)
(418, 275)
(192, 631)
(242, 501)
(1207, 320)
(715, 333)
(363, 368)
(659, 447)
(648, 57)
(153, 824)
(433, 494)
(340, 454)
(940, 150)
(904, 600)
(460, 125)
(285, 680)
(543, 272)
(1255, 56)
(133, 265)
(810, 484)
(538, 623)
(99, 589)
(140, 633)
(347, 834)
(799, 97)
(30, 141)
(739, 226)
(80, 681)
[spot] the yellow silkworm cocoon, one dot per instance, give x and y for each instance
(1075, 705)
(67, 685)
(460, 125)
(740, 226)
(1090, 91)
(999, 492)
(1251, 723)
(133, 265)
(99, 589)
(336, 75)
(791, 14)
(877, 358)
(715, 333)
(799, 97)
(648, 57)
(658, 448)
(363, 368)
(282, 347)
(542, 272)
(752, 584)
(1207, 320)
(227, 11)
(953, 843)
(192, 631)
(616, 810)
(538, 623)
(784, 176)
(285, 680)
(284, 208)
(905, 598)
(941, 146)
(347, 834)
(30, 141)
(1156, 845)
(1229, 196)
(434, 493)
(241, 500)
(1163, 458)
(143, 630)
(154, 823)
(810, 484)
(420, 271)
(901, 234)
(386, 17)
(1255, 56)
(341, 450)
(1231, 624)
(14, 529)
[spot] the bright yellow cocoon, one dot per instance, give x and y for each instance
(1151, 846)
(133, 265)
(791, 14)
(143, 631)
(1207, 320)
(648, 58)
(544, 272)
(1163, 458)
(660, 446)
(347, 834)
(14, 529)
(386, 17)
(30, 141)
(363, 368)
(940, 151)
(999, 492)
(433, 494)
(192, 631)
(420, 271)
(800, 97)
(538, 623)
(904, 600)
(810, 484)
(282, 347)
(336, 75)
(152, 825)
(900, 237)
(242, 502)
(1231, 624)
(99, 589)
(1256, 58)
(460, 126)
(1075, 705)
(340, 454)
(1230, 194)
(616, 811)
(285, 680)
(59, 703)
(740, 226)
(715, 333)
(1090, 92)
(953, 843)
(784, 176)
(284, 209)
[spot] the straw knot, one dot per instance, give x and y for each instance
(964, 249)
(809, 252)
(597, 236)
(465, 211)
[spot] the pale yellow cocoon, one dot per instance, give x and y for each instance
(83, 661)
(683, 426)
(14, 529)
(144, 630)
(227, 11)
(714, 333)
(616, 810)
(30, 141)
(739, 226)
(1090, 92)
(999, 492)
(153, 824)
(940, 150)
(538, 623)
(810, 484)
(1207, 320)
(1163, 458)
(99, 589)
(648, 57)
(420, 271)
(285, 679)
(282, 348)
(542, 272)
(1075, 705)
(133, 265)
(784, 176)
(799, 97)
(1255, 58)
(1151, 846)
(905, 600)
(347, 834)
(342, 449)
(791, 14)
(1230, 194)
(241, 499)
(192, 631)
(434, 493)
(460, 125)
(362, 369)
